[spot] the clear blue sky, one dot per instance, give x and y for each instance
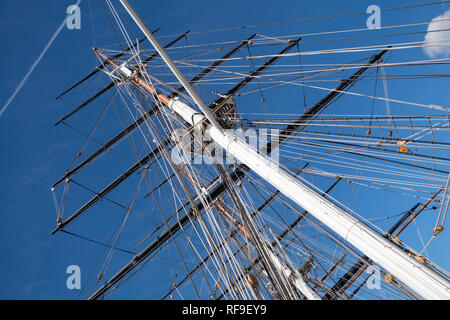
(35, 153)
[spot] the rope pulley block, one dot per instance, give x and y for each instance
(252, 280)
(438, 230)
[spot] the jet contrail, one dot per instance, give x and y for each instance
(35, 64)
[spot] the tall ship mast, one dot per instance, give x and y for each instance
(223, 197)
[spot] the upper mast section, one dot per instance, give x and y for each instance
(189, 89)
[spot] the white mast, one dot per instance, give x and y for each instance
(419, 277)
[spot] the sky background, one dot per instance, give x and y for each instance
(35, 153)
